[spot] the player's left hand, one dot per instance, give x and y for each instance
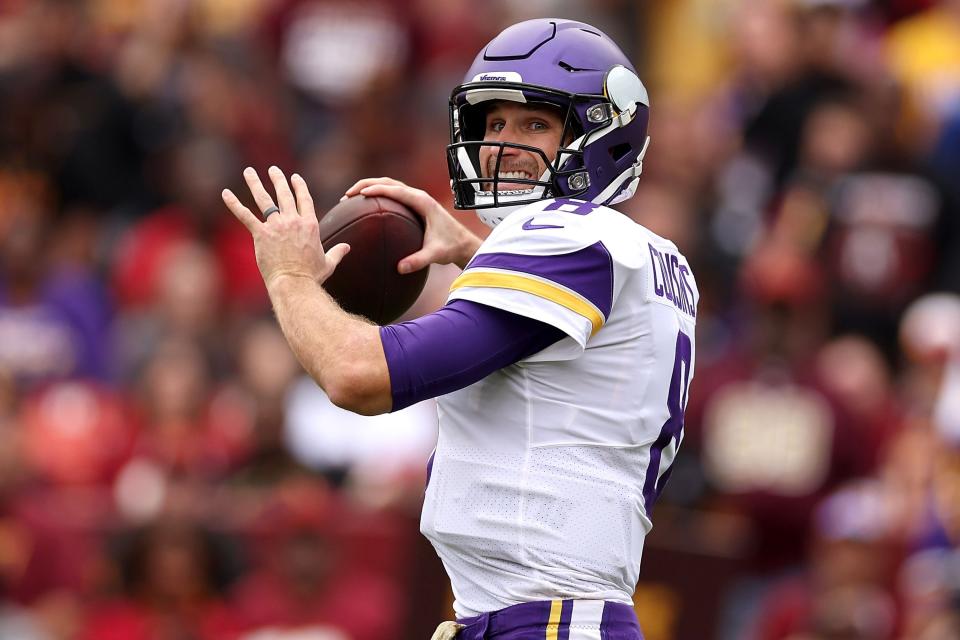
(287, 242)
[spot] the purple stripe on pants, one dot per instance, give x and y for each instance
(588, 271)
(528, 621)
(563, 633)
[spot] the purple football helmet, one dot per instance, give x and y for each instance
(569, 65)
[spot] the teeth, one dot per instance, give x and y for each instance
(514, 174)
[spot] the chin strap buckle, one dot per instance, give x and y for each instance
(637, 167)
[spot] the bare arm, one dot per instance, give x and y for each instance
(341, 352)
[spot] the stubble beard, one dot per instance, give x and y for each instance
(527, 165)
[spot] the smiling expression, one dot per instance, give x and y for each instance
(521, 123)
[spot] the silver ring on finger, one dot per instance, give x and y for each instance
(270, 211)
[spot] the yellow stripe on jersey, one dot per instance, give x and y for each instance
(553, 624)
(540, 288)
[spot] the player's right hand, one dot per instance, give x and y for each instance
(445, 241)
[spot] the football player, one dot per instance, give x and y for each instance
(562, 360)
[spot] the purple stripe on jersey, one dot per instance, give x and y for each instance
(456, 346)
(588, 271)
(566, 612)
(430, 467)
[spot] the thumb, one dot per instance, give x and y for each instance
(334, 256)
(416, 261)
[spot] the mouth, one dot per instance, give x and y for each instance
(504, 181)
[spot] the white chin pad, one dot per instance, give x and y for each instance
(494, 216)
(508, 196)
(508, 202)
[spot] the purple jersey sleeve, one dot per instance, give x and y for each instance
(456, 346)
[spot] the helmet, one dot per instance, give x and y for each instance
(570, 65)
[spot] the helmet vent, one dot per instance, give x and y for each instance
(571, 68)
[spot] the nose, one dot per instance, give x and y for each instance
(505, 152)
(509, 133)
(510, 152)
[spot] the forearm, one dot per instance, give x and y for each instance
(341, 352)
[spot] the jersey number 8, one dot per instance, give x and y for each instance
(661, 455)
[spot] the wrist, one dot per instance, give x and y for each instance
(468, 246)
(280, 281)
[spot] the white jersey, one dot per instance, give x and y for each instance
(545, 472)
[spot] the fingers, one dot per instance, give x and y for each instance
(337, 252)
(419, 201)
(334, 256)
(416, 261)
(260, 196)
(304, 199)
(249, 219)
(284, 196)
(366, 182)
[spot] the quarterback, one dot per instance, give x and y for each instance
(562, 360)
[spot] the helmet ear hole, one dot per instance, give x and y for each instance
(620, 151)
(473, 121)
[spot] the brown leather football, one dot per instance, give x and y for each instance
(380, 232)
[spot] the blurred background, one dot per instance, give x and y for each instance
(167, 471)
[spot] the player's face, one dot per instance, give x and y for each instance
(534, 125)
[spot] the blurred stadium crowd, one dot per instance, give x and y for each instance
(166, 472)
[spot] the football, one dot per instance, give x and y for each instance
(380, 232)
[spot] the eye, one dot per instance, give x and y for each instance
(538, 125)
(496, 126)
